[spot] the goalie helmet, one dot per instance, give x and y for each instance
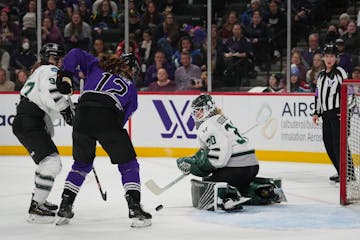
(203, 107)
(51, 49)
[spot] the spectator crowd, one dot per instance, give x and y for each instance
(168, 37)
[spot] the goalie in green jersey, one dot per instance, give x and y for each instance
(227, 163)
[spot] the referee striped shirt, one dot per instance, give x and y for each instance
(327, 93)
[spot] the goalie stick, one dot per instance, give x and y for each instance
(155, 189)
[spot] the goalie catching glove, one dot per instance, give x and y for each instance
(197, 165)
(64, 82)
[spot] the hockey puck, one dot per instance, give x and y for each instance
(159, 207)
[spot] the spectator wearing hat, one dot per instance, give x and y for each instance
(297, 60)
(296, 84)
(246, 17)
(344, 58)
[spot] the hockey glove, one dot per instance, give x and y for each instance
(197, 165)
(68, 115)
(184, 164)
(64, 82)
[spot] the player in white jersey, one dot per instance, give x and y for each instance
(44, 98)
(224, 156)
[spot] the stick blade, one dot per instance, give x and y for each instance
(153, 187)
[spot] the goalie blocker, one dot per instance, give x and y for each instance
(220, 196)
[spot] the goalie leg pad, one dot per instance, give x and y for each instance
(264, 191)
(215, 196)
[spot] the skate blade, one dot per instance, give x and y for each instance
(33, 218)
(62, 221)
(140, 223)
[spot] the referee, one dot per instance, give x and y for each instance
(327, 105)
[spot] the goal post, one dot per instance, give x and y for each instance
(350, 142)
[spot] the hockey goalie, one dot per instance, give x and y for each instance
(227, 164)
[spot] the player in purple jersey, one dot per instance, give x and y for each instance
(108, 100)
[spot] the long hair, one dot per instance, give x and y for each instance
(113, 64)
(76, 28)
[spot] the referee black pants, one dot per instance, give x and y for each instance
(331, 136)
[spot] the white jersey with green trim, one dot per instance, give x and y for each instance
(227, 147)
(40, 88)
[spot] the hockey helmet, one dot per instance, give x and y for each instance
(331, 49)
(203, 107)
(131, 60)
(51, 49)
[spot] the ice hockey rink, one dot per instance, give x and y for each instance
(312, 210)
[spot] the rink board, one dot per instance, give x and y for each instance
(278, 126)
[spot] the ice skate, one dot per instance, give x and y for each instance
(65, 212)
(39, 213)
(137, 215)
(231, 205)
(51, 206)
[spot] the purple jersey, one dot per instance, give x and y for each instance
(121, 89)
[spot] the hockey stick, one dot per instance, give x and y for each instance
(262, 117)
(103, 194)
(155, 189)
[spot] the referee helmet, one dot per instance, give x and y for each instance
(331, 49)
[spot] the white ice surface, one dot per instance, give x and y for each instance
(312, 210)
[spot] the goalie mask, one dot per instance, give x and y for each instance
(203, 107)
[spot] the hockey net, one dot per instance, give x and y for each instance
(350, 142)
